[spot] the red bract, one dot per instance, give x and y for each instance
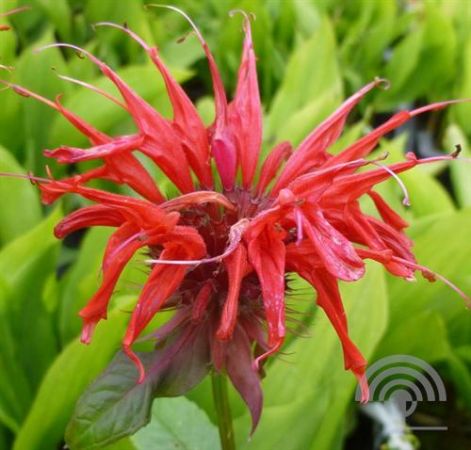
(221, 259)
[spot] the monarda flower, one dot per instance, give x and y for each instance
(221, 251)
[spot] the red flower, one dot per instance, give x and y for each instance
(221, 259)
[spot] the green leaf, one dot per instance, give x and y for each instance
(368, 31)
(439, 246)
(460, 171)
(307, 397)
(81, 281)
(312, 72)
(404, 60)
(26, 264)
(58, 12)
(105, 115)
(177, 423)
(65, 380)
(421, 186)
(461, 114)
(116, 406)
(20, 209)
(15, 391)
(35, 117)
(302, 122)
(423, 335)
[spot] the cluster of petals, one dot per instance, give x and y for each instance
(220, 252)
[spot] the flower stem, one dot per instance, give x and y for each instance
(223, 410)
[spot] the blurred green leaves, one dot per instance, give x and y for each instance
(14, 192)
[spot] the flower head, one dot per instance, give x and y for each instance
(220, 257)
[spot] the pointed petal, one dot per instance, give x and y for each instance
(272, 164)
(95, 136)
(351, 187)
(312, 151)
(126, 168)
(161, 144)
(161, 284)
(312, 185)
(390, 216)
(330, 301)
(70, 155)
(116, 257)
(366, 144)
(367, 234)
(186, 120)
(246, 110)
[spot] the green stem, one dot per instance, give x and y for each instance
(223, 411)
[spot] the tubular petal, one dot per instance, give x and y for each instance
(246, 110)
(95, 309)
(187, 121)
(90, 216)
(387, 213)
(68, 155)
(328, 297)
(312, 151)
(198, 197)
(267, 255)
(336, 252)
(272, 164)
(236, 265)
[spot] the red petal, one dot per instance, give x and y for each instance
(312, 185)
(95, 136)
(197, 197)
(125, 168)
(267, 256)
(367, 234)
(201, 301)
(235, 265)
(188, 124)
(330, 301)
(246, 111)
(224, 151)
(161, 284)
(390, 216)
(116, 257)
(366, 144)
(161, 140)
(335, 251)
(272, 164)
(351, 187)
(312, 151)
(90, 216)
(72, 155)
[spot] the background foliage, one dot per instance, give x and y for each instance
(311, 55)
